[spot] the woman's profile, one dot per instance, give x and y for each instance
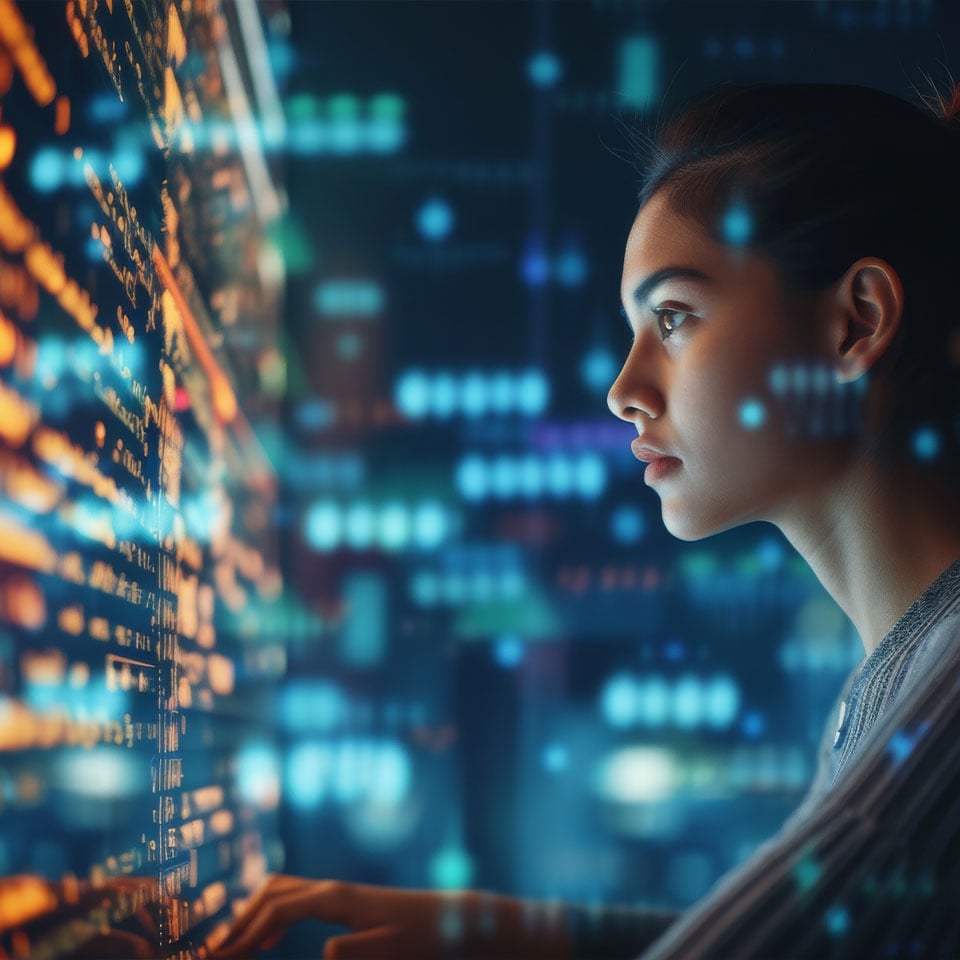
(791, 284)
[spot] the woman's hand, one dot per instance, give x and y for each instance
(392, 923)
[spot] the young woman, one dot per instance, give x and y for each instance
(792, 282)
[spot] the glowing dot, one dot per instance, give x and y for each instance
(598, 369)
(653, 701)
(323, 526)
(504, 477)
(308, 769)
(627, 524)
(619, 702)
(753, 724)
(530, 476)
(508, 651)
(435, 219)
(591, 476)
(737, 225)
(532, 392)
(544, 69)
(570, 267)
(394, 526)
(46, 170)
(502, 392)
(926, 443)
(451, 868)
(688, 702)
(778, 379)
(806, 872)
(800, 378)
(535, 267)
(474, 395)
(555, 757)
(559, 475)
(425, 589)
(429, 524)
(443, 395)
(359, 526)
(413, 394)
(837, 920)
(721, 702)
(752, 414)
(473, 478)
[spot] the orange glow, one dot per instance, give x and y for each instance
(8, 145)
(6, 73)
(100, 433)
(26, 485)
(8, 341)
(17, 416)
(16, 231)
(24, 898)
(16, 37)
(70, 620)
(224, 399)
(62, 122)
(220, 674)
(22, 603)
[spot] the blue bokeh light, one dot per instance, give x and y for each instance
(752, 414)
(435, 219)
(926, 443)
(544, 68)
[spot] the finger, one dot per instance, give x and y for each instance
(273, 917)
(375, 944)
(276, 886)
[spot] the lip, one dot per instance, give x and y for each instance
(659, 462)
(643, 451)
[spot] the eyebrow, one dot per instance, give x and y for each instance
(643, 289)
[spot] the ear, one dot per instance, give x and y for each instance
(866, 312)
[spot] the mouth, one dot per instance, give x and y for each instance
(659, 463)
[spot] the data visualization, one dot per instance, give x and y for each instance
(138, 300)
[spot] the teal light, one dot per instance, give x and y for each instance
(359, 526)
(598, 369)
(544, 69)
(688, 702)
(307, 775)
(47, 170)
(926, 443)
(532, 392)
(323, 527)
(639, 64)
(451, 868)
(394, 526)
(435, 219)
(443, 396)
(619, 701)
(737, 227)
(412, 394)
(752, 414)
(474, 395)
(473, 479)
(591, 476)
(429, 524)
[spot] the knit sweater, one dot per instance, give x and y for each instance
(869, 863)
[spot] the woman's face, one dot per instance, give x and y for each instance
(705, 384)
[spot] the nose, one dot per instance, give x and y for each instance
(634, 392)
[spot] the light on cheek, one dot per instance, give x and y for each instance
(752, 414)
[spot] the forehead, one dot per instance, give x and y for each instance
(660, 237)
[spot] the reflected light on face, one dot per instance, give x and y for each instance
(696, 382)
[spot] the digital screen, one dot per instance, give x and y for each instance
(135, 500)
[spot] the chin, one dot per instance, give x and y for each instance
(690, 525)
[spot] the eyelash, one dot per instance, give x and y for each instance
(658, 312)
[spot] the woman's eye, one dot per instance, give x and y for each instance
(667, 320)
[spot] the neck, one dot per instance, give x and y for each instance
(877, 540)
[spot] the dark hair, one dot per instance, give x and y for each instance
(826, 174)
